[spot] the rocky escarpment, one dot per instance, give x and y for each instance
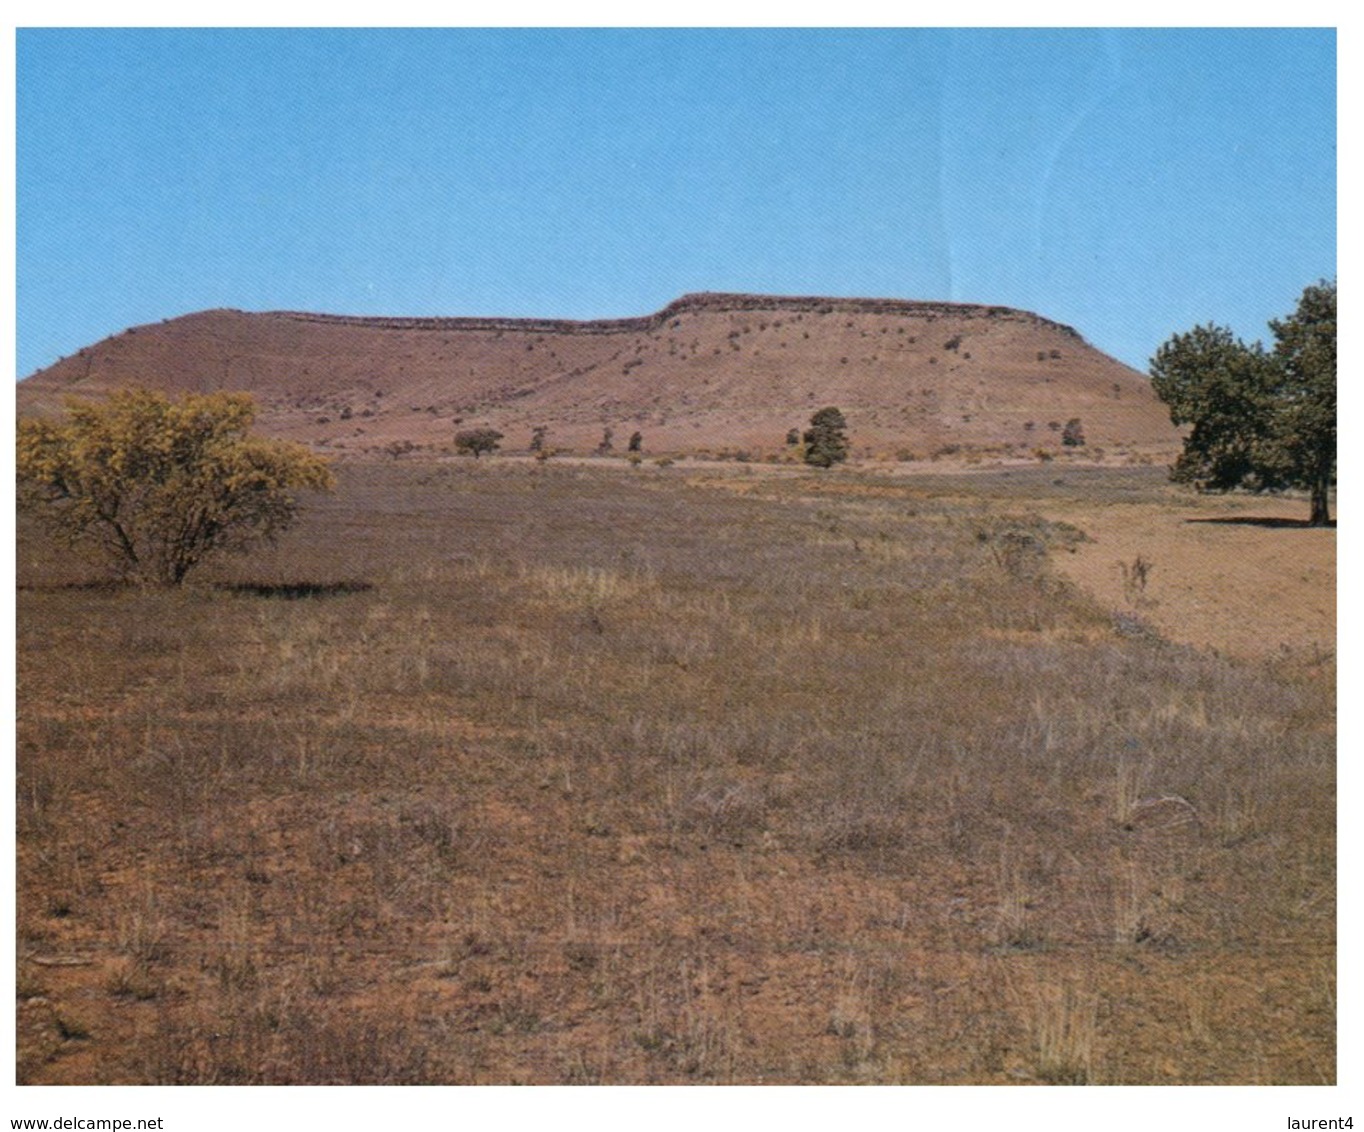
(707, 301)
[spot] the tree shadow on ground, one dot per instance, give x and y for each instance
(1266, 521)
(108, 585)
(294, 591)
(282, 591)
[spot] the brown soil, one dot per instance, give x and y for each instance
(1246, 577)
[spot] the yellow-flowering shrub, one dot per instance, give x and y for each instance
(155, 485)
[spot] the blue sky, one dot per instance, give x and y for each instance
(1131, 183)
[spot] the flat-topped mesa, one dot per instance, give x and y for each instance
(708, 372)
(697, 302)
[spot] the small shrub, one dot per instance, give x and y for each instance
(157, 485)
(1134, 577)
(477, 441)
(826, 441)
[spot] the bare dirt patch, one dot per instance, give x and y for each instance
(1244, 576)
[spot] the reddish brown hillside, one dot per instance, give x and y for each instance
(708, 372)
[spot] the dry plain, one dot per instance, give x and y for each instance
(519, 772)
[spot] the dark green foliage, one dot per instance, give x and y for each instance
(477, 440)
(1260, 420)
(1305, 421)
(1073, 435)
(636, 442)
(826, 441)
(792, 437)
(1221, 386)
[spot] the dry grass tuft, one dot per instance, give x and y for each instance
(1064, 1025)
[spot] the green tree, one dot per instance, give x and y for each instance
(826, 441)
(1259, 420)
(1305, 420)
(156, 485)
(477, 441)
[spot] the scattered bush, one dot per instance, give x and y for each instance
(826, 441)
(156, 485)
(477, 441)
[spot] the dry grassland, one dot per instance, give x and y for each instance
(504, 773)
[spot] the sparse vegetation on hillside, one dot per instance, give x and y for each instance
(793, 779)
(713, 383)
(155, 486)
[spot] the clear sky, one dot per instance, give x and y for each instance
(1131, 183)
